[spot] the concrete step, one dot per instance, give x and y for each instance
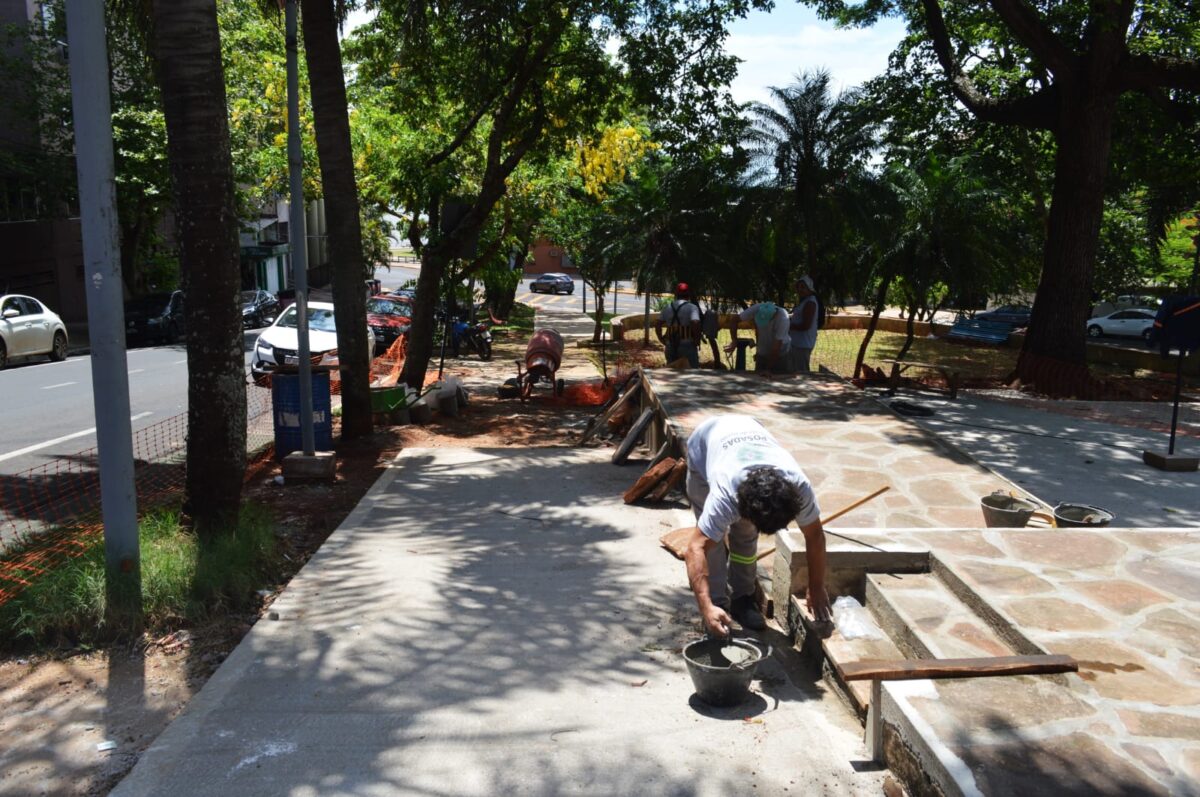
(841, 650)
(927, 620)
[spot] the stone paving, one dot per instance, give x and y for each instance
(848, 444)
(1124, 603)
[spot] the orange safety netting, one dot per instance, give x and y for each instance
(52, 512)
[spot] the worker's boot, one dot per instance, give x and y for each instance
(746, 614)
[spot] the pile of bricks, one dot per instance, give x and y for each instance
(658, 481)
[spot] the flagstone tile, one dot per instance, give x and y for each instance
(1148, 757)
(1055, 614)
(1180, 578)
(1076, 549)
(1160, 724)
(1005, 580)
(1159, 540)
(963, 543)
(1179, 630)
(1125, 597)
(1118, 672)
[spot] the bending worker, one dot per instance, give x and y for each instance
(682, 320)
(740, 482)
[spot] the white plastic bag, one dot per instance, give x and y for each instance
(853, 621)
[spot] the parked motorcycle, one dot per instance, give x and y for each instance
(474, 337)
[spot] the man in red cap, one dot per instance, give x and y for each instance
(682, 321)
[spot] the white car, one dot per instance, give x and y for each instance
(277, 344)
(1126, 323)
(29, 329)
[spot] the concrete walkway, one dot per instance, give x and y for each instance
(1062, 458)
(494, 622)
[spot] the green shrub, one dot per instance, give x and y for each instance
(184, 580)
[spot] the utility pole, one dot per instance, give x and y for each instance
(91, 110)
(297, 230)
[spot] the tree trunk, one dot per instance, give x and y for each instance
(909, 332)
(599, 297)
(880, 298)
(1054, 356)
(330, 118)
(420, 339)
(188, 51)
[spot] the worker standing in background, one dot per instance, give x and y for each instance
(740, 482)
(682, 321)
(772, 328)
(804, 323)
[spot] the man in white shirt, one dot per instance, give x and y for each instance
(682, 321)
(803, 327)
(740, 482)
(772, 335)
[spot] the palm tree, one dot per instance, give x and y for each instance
(331, 120)
(807, 142)
(187, 49)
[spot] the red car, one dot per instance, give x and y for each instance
(389, 317)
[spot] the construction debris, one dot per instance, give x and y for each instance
(650, 479)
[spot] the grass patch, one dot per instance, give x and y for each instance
(519, 321)
(184, 580)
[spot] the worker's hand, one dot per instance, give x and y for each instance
(717, 620)
(818, 604)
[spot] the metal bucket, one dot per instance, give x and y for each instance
(1004, 511)
(1082, 516)
(717, 681)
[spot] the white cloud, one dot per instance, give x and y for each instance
(773, 59)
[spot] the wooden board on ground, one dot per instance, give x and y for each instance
(649, 479)
(671, 482)
(919, 669)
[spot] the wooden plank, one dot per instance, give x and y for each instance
(676, 541)
(984, 667)
(612, 410)
(671, 482)
(649, 479)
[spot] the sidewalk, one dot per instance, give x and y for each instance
(493, 622)
(1058, 457)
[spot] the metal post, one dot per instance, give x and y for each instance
(92, 112)
(1175, 406)
(584, 294)
(297, 232)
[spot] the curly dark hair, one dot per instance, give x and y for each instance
(768, 499)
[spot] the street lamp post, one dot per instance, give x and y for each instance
(297, 230)
(92, 113)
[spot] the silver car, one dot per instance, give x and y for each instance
(1125, 323)
(29, 329)
(552, 283)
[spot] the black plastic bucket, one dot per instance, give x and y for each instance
(718, 682)
(1082, 516)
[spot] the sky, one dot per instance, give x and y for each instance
(775, 46)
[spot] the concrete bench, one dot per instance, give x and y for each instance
(951, 376)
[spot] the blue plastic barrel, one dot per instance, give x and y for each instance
(285, 399)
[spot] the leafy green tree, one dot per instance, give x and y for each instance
(483, 87)
(1062, 68)
(806, 142)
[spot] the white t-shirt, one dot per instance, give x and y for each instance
(689, 313)
(721, 450)
(777, 329)
(805, 338)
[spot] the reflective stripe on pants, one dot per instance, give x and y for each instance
(732, 569)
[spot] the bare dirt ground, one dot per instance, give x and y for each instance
(74, 722)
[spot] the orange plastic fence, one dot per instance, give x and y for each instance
(52, 511)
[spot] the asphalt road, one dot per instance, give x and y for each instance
(48, 409)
